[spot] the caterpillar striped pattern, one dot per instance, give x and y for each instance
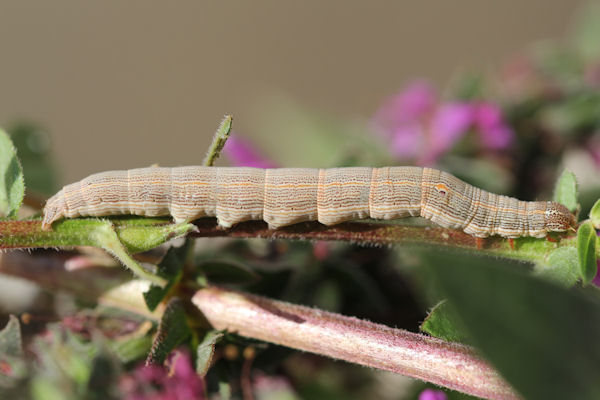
(286, 196)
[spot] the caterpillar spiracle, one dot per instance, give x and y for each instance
(286, 196)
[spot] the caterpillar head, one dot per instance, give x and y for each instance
(558, 218)
(53, 210)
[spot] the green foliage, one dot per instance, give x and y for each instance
(11, 354)
(565, 191)
(573, 115)
(586, 251)
(561, 267)
(541, 337)
(12, 183)
(441, 323)
(170, 269)
(227, 272)
(595, 214)
(172, 331)
(206, 351)
(68, 367)
(32, 145)
(10, 339)
(219, 139)
(132, 349)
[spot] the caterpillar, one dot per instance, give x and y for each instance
(286, 196)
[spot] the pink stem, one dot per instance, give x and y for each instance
(451, 365)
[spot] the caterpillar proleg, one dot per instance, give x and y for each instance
(286, 196)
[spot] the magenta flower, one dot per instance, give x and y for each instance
(431, 394)
(421, 128)
(414, 103)
(449, 123)
(241, 153)
(155, 382)
(495, 134)
(596, 280)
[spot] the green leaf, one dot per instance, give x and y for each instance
(32, 144)
(132, 349)
(12, 184)
(104, 376)
(573, 115)
(11, 355)
(227, 272)
(565, 191)
(595, 214)
(43, 388)
(11, 344)
(219, 139)
(172, 331)
(224, 390)
(441, 323)
(206, 350)
(105, 236)
(541, 337)
(586, 251)
(561, 267)
(170, 268)
(142, 238)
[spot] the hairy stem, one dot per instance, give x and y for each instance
(219, 139)
(382, 234)
(447, 364)
(28, 234)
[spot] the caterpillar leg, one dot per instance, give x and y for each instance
(479, 241)
(511, 242)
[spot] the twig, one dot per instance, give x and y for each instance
(219, 139)
(447, 364)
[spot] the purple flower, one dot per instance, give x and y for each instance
(242, 153)
(415, 102)
(494, 132)
(449, 123)
(596, 280)
(155, 382)
(431, 394)
(420, 127)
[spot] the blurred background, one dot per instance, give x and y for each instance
(128, 84)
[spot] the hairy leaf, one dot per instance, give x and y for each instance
(12, 183)
(541, 337)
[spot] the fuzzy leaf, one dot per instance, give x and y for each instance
(170, 268)
(565, 191)
(32, 144)
(206, 350)
(561, 268)
(219, 139)
(12, 364)
(132, 349)
(541, 337)
(441, 323)
(586, 251)
(10, 339)
(12, 184)
(172, 331)
(595, 214)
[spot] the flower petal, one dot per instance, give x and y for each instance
(241, 153)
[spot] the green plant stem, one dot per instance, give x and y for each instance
(138, 234)
(385, 234)
(219, 139)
